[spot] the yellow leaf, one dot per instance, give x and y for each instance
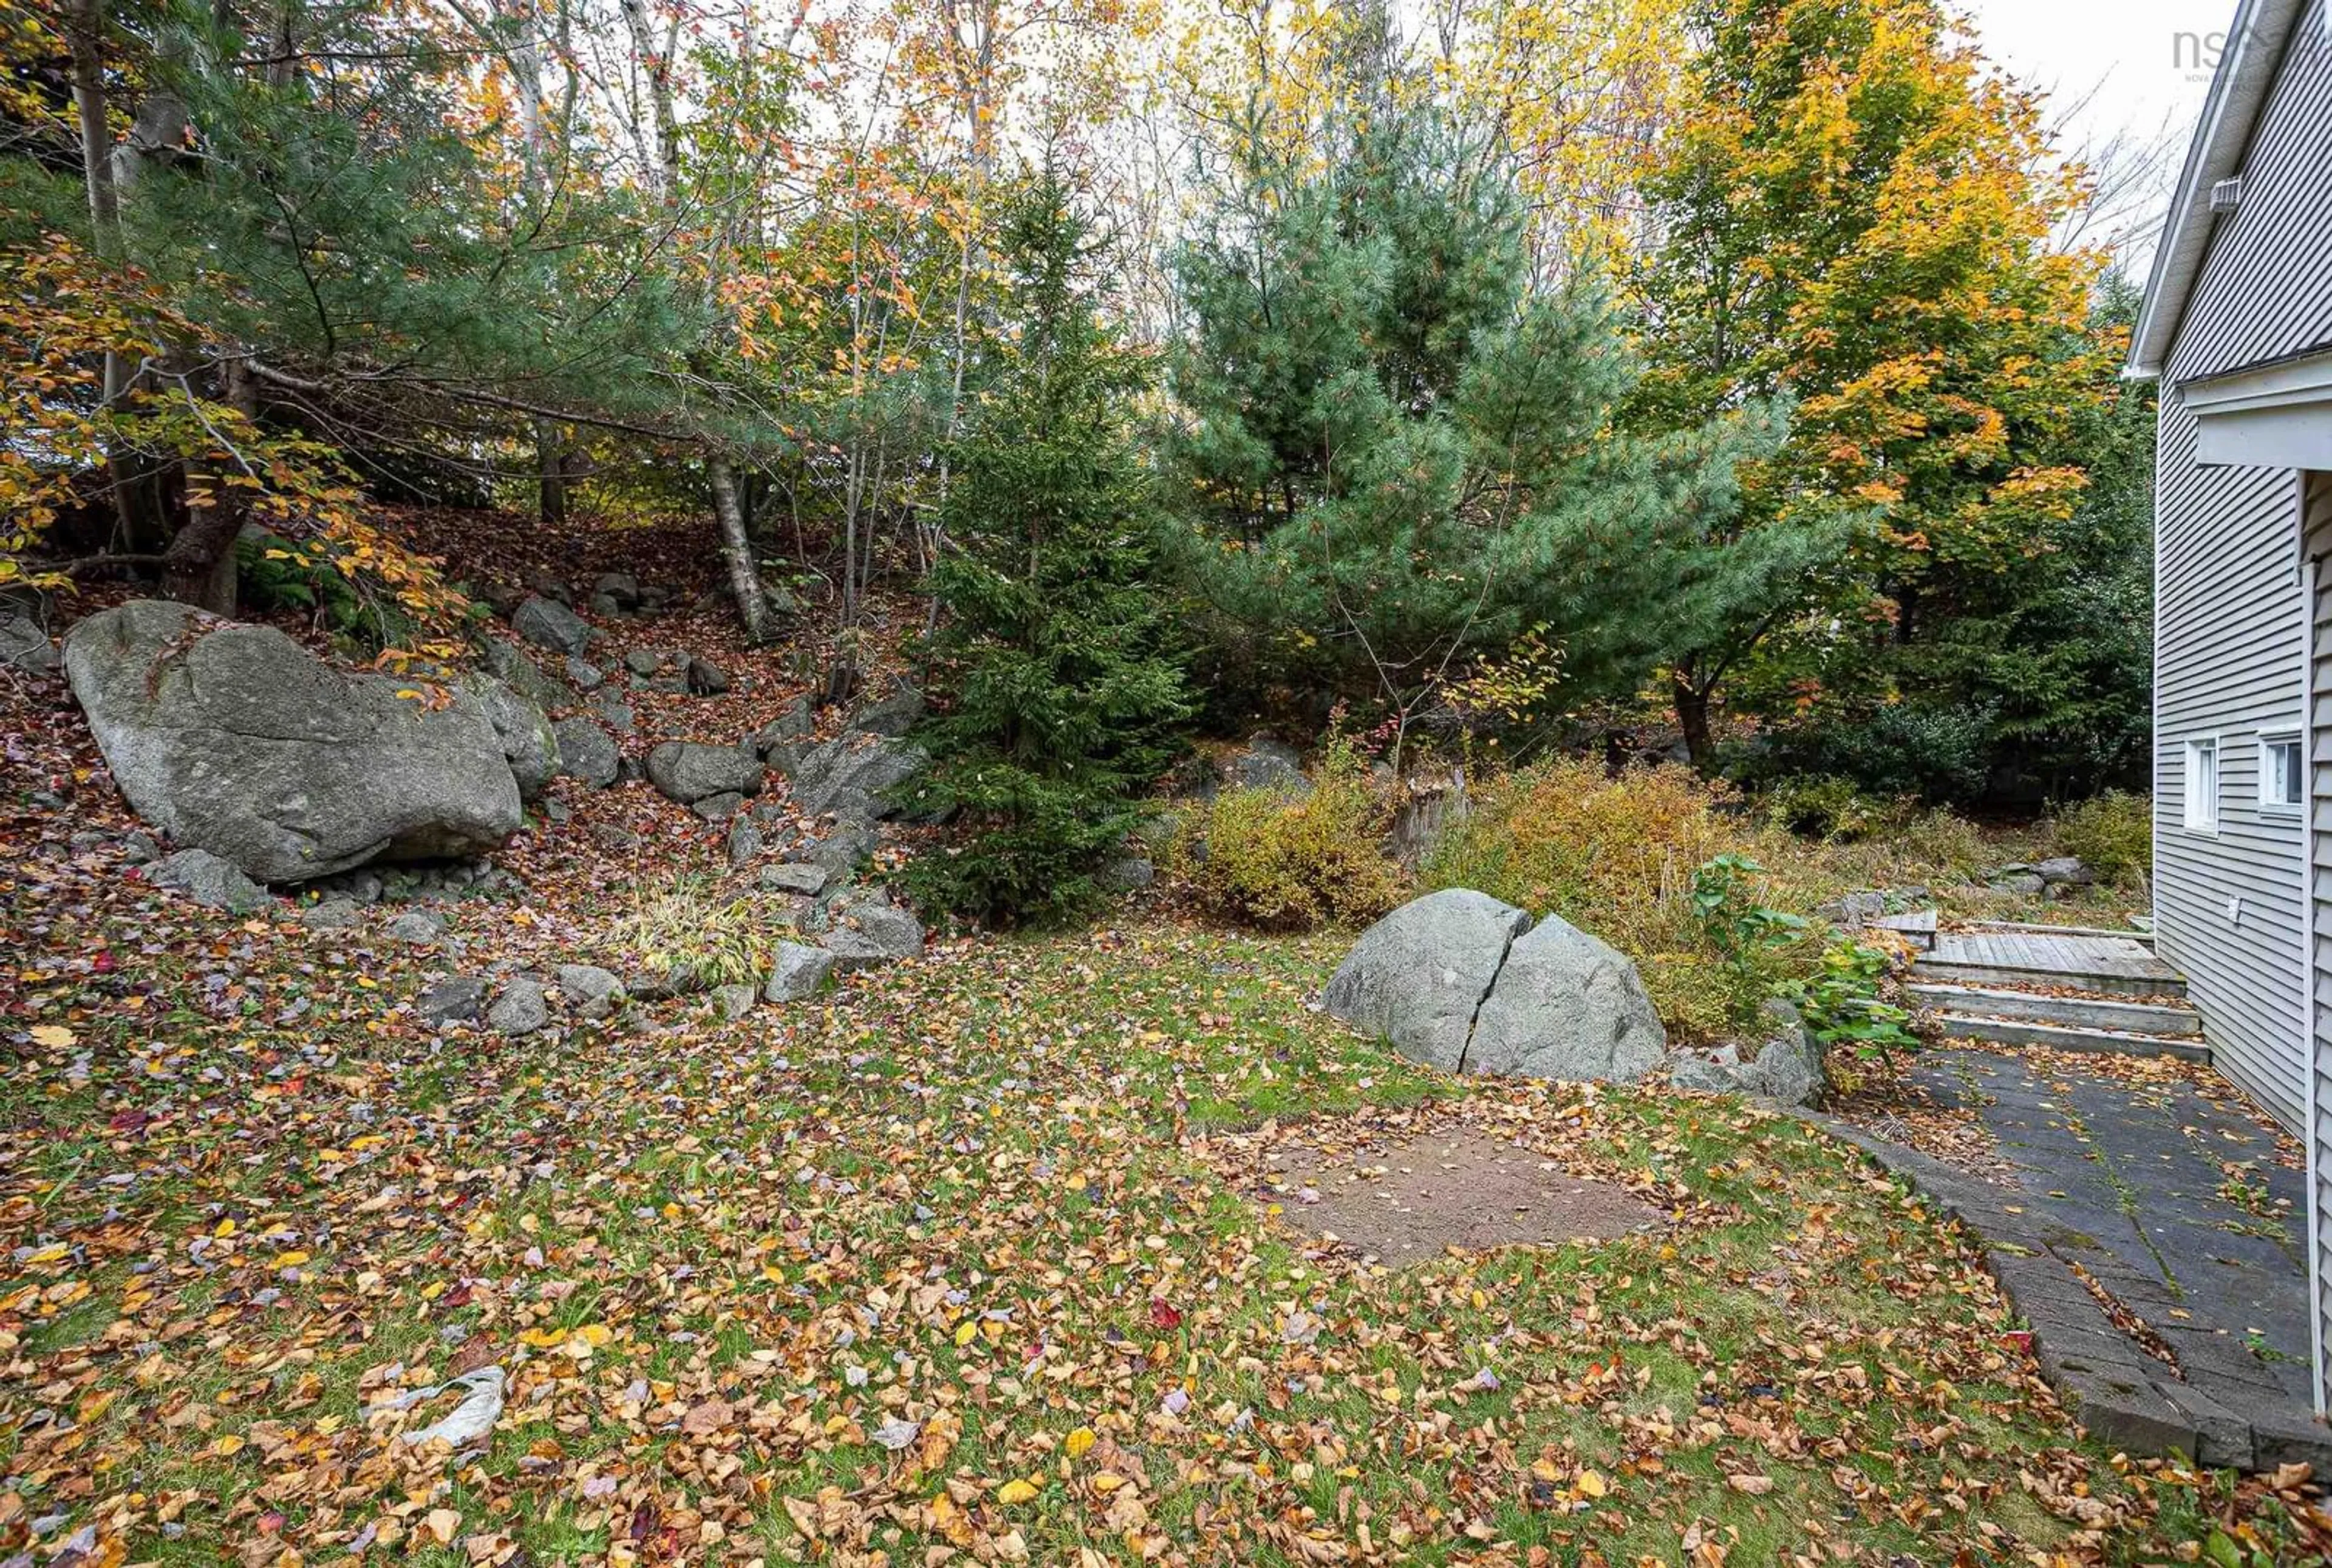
(227, 1443)
(1015, 1492)
(1591, 1485)
(965, 1330)
(1079, 1442)
(442, 1524)
(1105, 1483)
(51, 1035)
(290, 1260)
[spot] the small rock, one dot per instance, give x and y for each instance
(2066, 869)
(548, 624)
(24, 642)
(718, 808)
(807, 880)
(2018, 880)
(592, 992)
(868, 934)
(893, 716)
(416, 925)
(1129, 874)
(706, 679)
(1269, 764)
(796, 723)
(585, 676)
(614, 712)
(586, 753)
(644, 661)
(456, 999)
(140, 849)
(619, 585)
(332, 915)
(208, 880)
(520, 1009)
(797, 972)
(734, 1002)
(688, 770)
(744, 841)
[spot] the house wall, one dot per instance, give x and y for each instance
(2228, 627)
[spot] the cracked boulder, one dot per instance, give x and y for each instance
(1567, 1007)
(1461, 981)
(1417, 977)
(236, 740)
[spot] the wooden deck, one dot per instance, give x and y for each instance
(2104, 963)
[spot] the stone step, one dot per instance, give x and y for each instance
(2081, 1012)
(2059, 1038)
(2027, 928)
(1995, 974)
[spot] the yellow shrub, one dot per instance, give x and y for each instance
(1615, 857)
(1292, 863)
(2113, 835)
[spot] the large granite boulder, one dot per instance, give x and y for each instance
(530, 745)
(1465, 983)
(689, 770)
(235, 740)
(1417, 977)
(1569, 1007)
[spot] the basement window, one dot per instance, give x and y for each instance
(2202, 784)
(2283, 784)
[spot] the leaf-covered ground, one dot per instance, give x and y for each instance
(975, 1258)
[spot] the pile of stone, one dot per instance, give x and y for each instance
(2060, 878)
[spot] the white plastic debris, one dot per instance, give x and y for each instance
(895, 1434)
(471, 1420)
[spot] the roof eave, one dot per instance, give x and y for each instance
(2239, 91)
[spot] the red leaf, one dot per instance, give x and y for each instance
(1163, 1313)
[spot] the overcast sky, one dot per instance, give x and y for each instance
(2136, 69)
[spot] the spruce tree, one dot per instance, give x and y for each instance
(1063, 696)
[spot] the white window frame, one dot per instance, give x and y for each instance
(2268, 804)
(2197, 821)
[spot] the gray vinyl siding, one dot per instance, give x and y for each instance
(2319, 867)
(2228, 630)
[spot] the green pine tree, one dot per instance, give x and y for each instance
(1398, 457)
(1063, 694)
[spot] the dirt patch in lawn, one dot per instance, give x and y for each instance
(1405, 1202)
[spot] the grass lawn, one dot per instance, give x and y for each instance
(973, 1259)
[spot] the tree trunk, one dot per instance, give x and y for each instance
(737, 550)
(199, 567)
(1692, 718)
(551, 464)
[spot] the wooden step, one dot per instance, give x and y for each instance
(2105, 1042)
(2080, 1012)
(2027, 928)
(1950, 972)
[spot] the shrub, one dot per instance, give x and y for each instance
(1656, 862)
(691, 935)
(2113, 835)
(1292, 863)
(1833, 810)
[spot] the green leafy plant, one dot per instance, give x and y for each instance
(1843, 1005)
(1740, 928)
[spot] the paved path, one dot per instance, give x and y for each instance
(2157, 1176)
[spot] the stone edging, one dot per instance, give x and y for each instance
(2219, 1407)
